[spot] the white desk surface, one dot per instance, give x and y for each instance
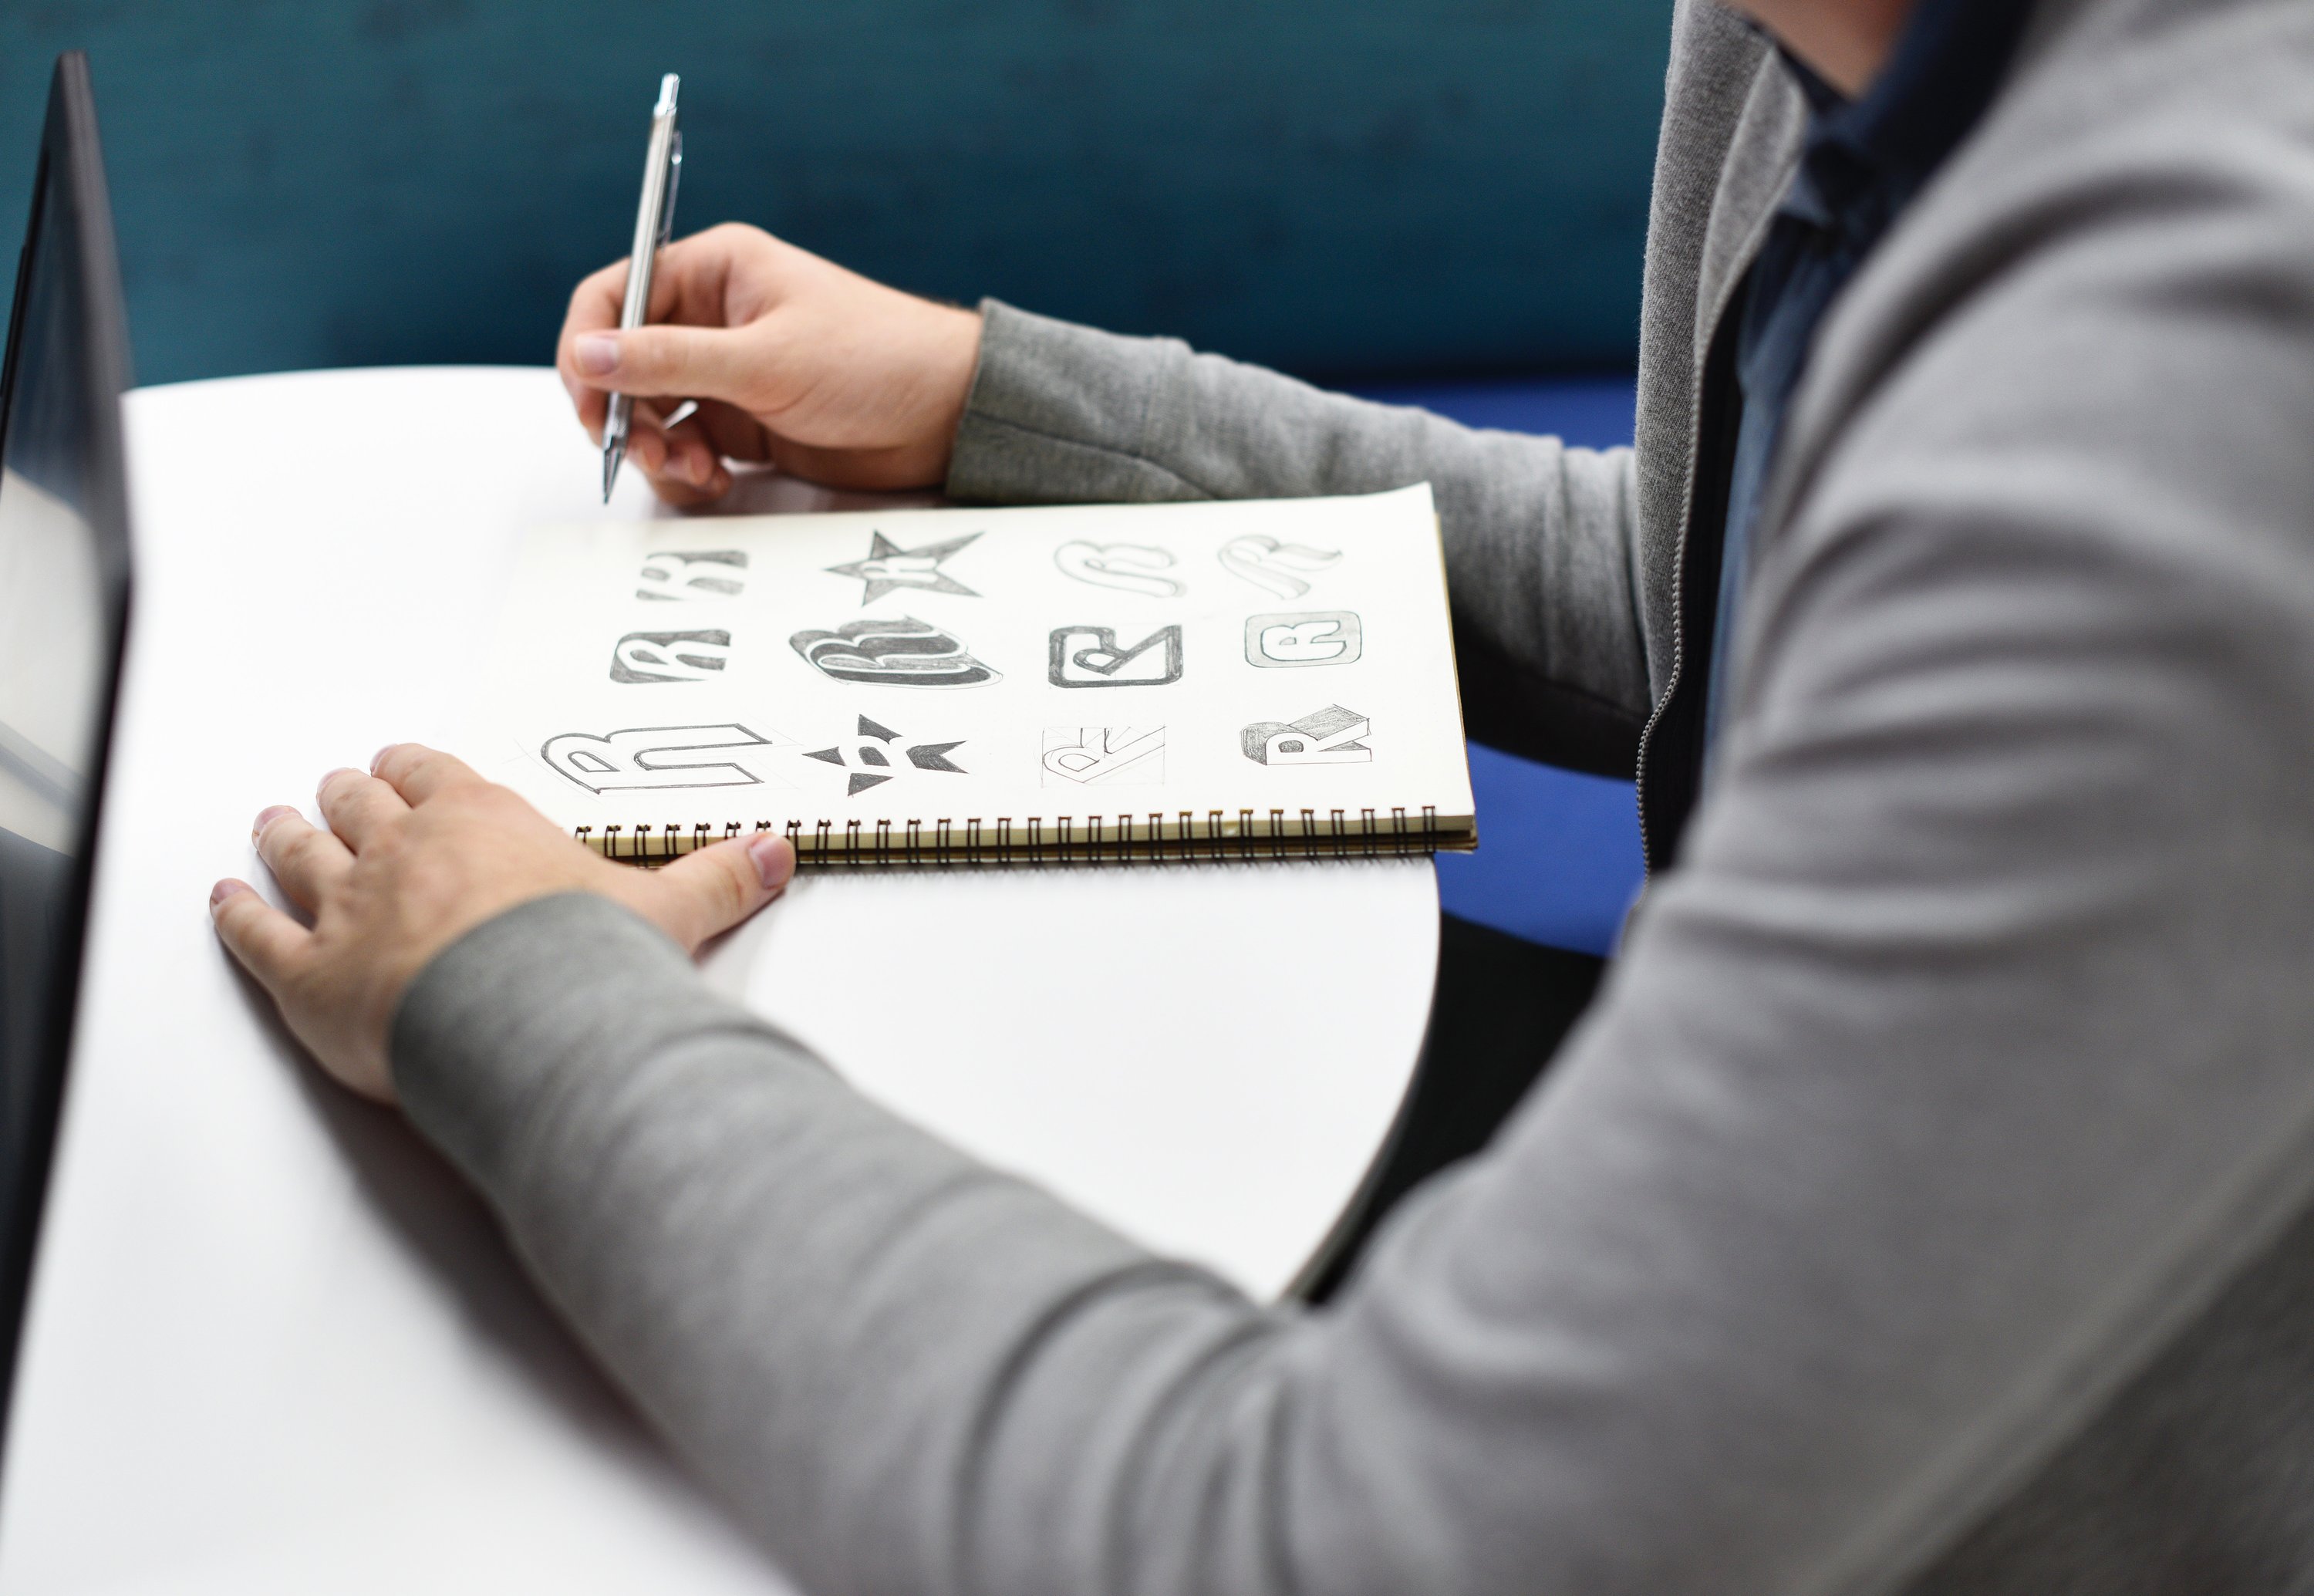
(274, 1345)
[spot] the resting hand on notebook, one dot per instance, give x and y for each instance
(793, 359)
(418, 852)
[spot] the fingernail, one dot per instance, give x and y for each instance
(379, 758)
(322, 786)
(266, 817)
(221, 891)
(597, 353)
(774, 861)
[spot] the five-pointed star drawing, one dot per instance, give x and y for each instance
(863, 752)
(888, 566)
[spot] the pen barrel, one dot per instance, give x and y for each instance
(646, 221)
(650, 215)
(650, 224)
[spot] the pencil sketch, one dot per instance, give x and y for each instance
(869, 757)
(1318, 637)
(662, 756)
(671, 656)
(902, 653)
(1329, 736)
(1090, 656)
(715, 573)
(1274, 567)
(1129, 568)
(889, 568)
(1104, 756)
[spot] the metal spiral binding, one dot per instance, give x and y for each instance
(1060, 839)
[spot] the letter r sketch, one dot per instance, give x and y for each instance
(1129, 568)
(714, 573)
(1274, 567)
(661, 757)
(1091, 656)
(1317, 637)
(1104, 756)
(671, 656)
(1329, 736)
(904, 652)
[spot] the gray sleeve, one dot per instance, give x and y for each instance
(1540, 538)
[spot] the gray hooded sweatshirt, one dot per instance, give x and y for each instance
(1926, 1205)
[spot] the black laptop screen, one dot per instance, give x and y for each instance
(63, 606)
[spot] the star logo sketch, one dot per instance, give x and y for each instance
(869, 757)
(889, 567)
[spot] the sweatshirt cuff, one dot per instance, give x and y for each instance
(560, 988)
(1063, 414)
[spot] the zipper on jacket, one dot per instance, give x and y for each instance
(1707, 499)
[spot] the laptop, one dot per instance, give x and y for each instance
(64, 609)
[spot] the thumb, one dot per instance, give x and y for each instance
(669, 362)
(707, 892)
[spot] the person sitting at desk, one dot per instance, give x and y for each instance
(1927, 1204)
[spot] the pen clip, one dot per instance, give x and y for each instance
(674, 187)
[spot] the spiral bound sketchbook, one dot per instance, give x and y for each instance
(961, 686)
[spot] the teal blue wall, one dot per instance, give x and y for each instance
(1362, 186)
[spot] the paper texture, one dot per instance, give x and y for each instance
(938, 679)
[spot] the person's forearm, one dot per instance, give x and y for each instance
(853, 1331)
(1539, 537)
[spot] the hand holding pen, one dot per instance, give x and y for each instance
(794, 361)
(732, 345)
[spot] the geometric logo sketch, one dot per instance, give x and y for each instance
(662, 756)
(902, 653)
(1104, 756)
(888, 566)
(671, 656)
(1129, 568)
(1321, 637)
(869, 757)
(717, 573)
(1090, 656)
(1329, 736)
(1274, 567)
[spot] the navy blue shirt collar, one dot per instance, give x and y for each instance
(1861, 163)
(1874, 153)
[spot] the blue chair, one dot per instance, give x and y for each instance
(1361, 187)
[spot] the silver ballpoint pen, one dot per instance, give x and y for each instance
(654, 222)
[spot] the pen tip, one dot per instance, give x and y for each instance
(611, 457)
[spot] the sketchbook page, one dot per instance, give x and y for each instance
(1016, 665)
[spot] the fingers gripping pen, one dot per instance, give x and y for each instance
(654, 222)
